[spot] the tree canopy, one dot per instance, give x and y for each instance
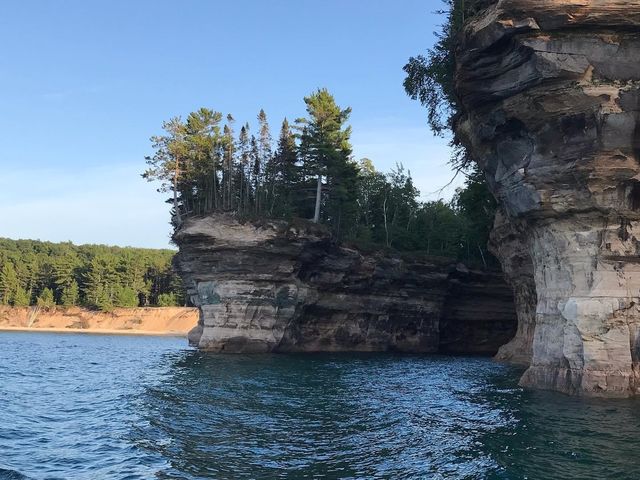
(310, 173)
(96, 276)
(430, 79)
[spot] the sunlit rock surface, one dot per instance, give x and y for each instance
(272, 286)
(550, 97)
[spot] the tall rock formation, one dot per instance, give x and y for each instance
(550, 104)
(507, 244)
(271, 286)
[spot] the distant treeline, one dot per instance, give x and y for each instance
(310, 173)
(95, 276)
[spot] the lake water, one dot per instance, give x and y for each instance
(107, 407)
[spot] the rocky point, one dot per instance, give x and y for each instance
(550, 101)
(273, 286)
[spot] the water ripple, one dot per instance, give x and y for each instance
(82, 407)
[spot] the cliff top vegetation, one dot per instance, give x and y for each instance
(430, 77)
(206, 164)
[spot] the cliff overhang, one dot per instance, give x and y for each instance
(550, 97)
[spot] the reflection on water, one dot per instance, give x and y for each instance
(113, 407)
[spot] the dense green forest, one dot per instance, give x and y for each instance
(310, 173)
(96, 276)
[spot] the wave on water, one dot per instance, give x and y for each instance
(12, 475)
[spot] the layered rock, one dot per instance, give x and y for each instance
(276, 287)
(510, 247)
(550, 93)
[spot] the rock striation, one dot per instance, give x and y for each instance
(508, 245)
(550, 99)
(278, 287)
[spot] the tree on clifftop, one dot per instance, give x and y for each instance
(166, 163)
(325, 140)
(430, 77)
(285, 173)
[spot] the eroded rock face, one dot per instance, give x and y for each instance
(510, 247)
(550, 94)
(273, 287)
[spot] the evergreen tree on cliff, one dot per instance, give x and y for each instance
(229, 155)
(166, 164)
(266, 158)
(254, 167)
(285, 172)
(430, 79)
(327, 153)
(203, 143)
(244, 149)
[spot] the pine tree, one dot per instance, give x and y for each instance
(46, 299)
(229, 154)
(63, 269)
(285, 172)
(254, 158)
(371, 192)
(21, 298)
(200, 172)
(167, 300)
(8, 283)
(265, 172)
(243, 168)
(100, 282)
(167, 163)
(125, 297)
(325, 141)
(70, 294)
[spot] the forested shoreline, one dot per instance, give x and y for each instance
(310, 173)
(100, 277)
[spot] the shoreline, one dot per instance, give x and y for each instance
(94, 331)
(145, 321)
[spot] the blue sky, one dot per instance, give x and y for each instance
(84, 84)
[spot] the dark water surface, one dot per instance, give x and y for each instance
(103, 407)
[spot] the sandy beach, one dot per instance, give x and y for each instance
(167, 321)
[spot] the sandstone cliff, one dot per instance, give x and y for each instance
(278, 287)
(550, 99)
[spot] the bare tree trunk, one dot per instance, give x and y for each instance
(316, 214)
(215, 181)
(241, 189)
(273, 197)
(176, 173)
(386, 227)
(482, 255)
(248, 181)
